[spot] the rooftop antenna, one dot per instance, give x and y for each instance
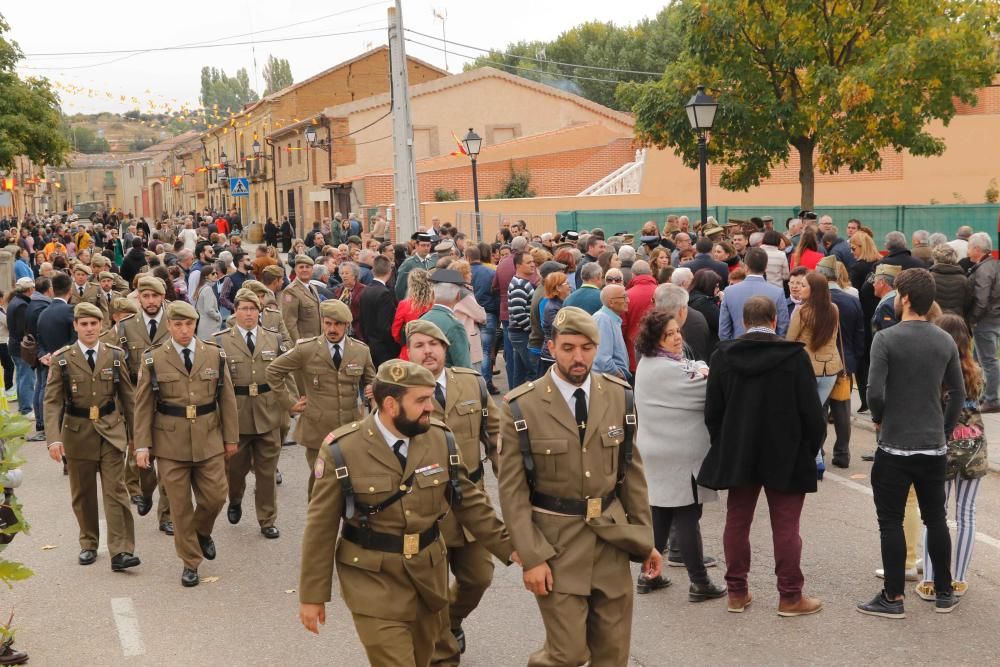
(443, 17)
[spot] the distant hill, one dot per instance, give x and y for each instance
(130, 131)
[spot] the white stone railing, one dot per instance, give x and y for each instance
(626, 180)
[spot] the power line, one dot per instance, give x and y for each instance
(537, 60)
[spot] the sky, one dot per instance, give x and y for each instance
(91, 83)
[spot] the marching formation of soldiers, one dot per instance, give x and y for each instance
(396, 459)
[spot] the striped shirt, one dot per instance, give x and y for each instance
(519, 294)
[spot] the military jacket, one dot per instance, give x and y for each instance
(260, 408)
(300, 309)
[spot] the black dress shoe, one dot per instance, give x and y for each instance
(167, 527)
(270, 532)
(646, 585)
(460, 638)
(278, 478)
(234, 513)
(142, 505)
(702, 592)
(8, 656)
(841, 463)
(87, 556)
(207, 546)
(189, 578)
(124, 561)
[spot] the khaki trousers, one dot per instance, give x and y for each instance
(597, 628)
(311, 456)
(142, 482)
(208, 481)
(259, 453)
(117, 511)
(399, 643)
(472, 567)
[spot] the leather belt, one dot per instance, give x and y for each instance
(185, 411)
(248, 390)
(570, 506)
(476, 474)
(93, 413)
(394, 544)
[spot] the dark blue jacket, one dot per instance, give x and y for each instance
(55, 327)
(841, 249)
(705, 261)
(482, 286)
(852, 327)
(17, 321)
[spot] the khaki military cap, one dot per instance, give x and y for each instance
(99, 260)
(336, 310)
(87, 310)
(304, 259)
(181, 310)
(828, 262)
(105, 275)
(427, 328)
(84, 268)
(246, 295)
(274, 271)
(573, 320)
(152, 284)
(888, 270)
(404, 374)
(255, 286)
(123, 305)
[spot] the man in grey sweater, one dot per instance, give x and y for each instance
(912, 363)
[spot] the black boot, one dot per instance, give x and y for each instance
(706, 591)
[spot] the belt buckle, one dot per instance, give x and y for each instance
(411, 544)
(192, 411)
(253, 388)
(95, 413)
(594, 508)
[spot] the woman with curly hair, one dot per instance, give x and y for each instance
(419, 299)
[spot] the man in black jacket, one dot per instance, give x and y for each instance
(40, 300)
(897, 253)
(378, 308)
(766, 425)
(55, 323)
(17, 320)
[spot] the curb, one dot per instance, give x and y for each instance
(865, 424)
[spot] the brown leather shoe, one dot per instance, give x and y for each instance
(803, 607)
(737, 603)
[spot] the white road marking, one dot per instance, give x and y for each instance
(127, 623)
(102, 538)
(861, 488)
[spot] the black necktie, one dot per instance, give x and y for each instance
(188, 365)
(90, 359)
(439, 394)
(581, 412)
(152, 330)
(250, 342)
(80, 289)
(397, 450)
(109, 298)
(337, 359)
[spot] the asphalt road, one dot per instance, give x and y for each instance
(73, 615)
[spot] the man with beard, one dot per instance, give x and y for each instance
(462, 401)
(388, 479)
(574, 496)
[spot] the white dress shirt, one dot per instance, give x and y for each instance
(391, 439)
(180, 349)
(85, 349)
(567, 389)
(244, 332)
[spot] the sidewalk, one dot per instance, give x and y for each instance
(991, 421)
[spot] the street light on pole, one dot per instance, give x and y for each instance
(701, 114)
(473, 144)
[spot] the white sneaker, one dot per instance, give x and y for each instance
(11, 394)
(911, 574)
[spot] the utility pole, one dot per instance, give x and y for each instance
(405, 180)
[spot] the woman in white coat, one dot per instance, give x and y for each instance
(673, 439)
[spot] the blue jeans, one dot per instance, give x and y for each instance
(987, 337)
(41, 376)
(488, 334)
(508, 354)
(24, 380)
(521, 357)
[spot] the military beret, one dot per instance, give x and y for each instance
(427, 328)
(712, 230)
(80, 266)
(243, 294)
(274, 271)
(106, 275)
(768, 218)
(304, 259)
(255, 286)
(123, 305)
(181, 310)
(336, 310)
(87, 310)
(99, 260)
(887, 270)
(828, 262)
(152, 284)
(573, 320)
(356, 240)
(404, 374)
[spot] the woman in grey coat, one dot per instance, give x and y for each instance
(207, 304)
(670, 402)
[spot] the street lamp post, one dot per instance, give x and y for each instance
(473, 144)
(701, 114)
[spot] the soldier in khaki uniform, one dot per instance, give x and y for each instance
(300, 302)
(270, 314)
(185, 409)
(120, 309)
(334, 368)
(136, 334)
(387, 480)
(105, 297)
(88, 410)
(250, 348)
(83, 290)
(574, 498)
(462, 401)
(101, 263)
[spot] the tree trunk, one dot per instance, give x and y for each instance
(807, 173)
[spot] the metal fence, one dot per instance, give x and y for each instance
(492, 223)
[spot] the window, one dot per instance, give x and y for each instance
(131, 171)
(298, 149)
(109, 179)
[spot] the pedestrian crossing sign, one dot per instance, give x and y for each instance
(239, 187)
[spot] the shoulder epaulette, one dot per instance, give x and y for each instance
(115, 347)
(355, 341)
(274, 331)
(306, 340)
(517, 392)
(62, 349)
(617, 380)
(224, 331)
(439, 424)
(466, 371)
(127, 317)
(341, 431)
